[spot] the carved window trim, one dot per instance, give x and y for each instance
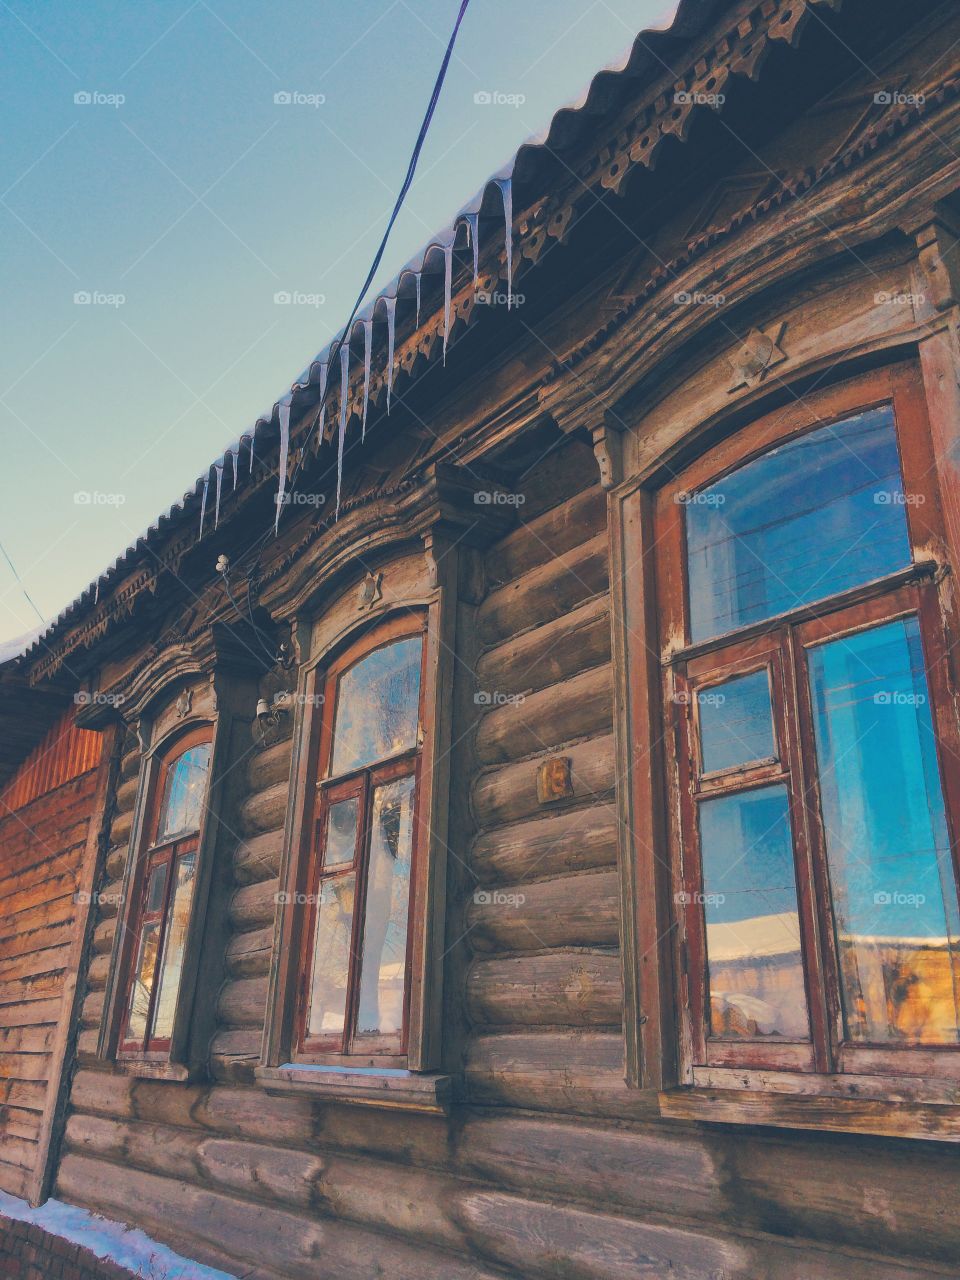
(658, 1048)
(412, 1079)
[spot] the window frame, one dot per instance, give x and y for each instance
(150, 853)
(649, 632)
(327, 787)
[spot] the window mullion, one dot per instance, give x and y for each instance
(356, 939)
(820, 962)
(170, 857)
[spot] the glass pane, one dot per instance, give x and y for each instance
(341, 839)
(894, 892)
(156, 889)
(173, 947)
(736, 722)
(388, 900)
(183, 792)
(331, 957)
(378, 706)
(819, 515)
(753, 923)
(144, 970)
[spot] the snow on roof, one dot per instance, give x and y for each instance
(639, 62)
(14, 647)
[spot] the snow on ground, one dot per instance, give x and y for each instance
(127, 1246)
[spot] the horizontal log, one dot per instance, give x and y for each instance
(550, 1240)
(110, 899)
(573, 1072)
(104, 934)
(264, 810)
(98, 971)
(547, 592)
(87, 1042)
(120, 828)
(551, 534)
(536, 722)
(201, 1223)
(234, 1055)
(258, 858)
(116, 861)
(575, 989)
(248, 954)
(549, 653)
(126, 794)
(91, 1011)
(270, 765)
(243, 1002)
(507, 793)
(130, 764)
(569, 911)
(548, 845)
(254, 906)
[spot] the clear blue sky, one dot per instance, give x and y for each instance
(197, 199)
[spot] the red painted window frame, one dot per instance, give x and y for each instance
(779, 643)
(154, 854)
(326, 789)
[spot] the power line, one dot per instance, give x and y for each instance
(20, 581)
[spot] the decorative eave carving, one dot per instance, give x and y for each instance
(570, 396)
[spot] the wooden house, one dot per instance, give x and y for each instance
(527, 848)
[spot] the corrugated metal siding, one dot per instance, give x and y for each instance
(66, 752)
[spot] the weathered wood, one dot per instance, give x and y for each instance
(549, 653)
(509, 792)
(121, 828)
(601, 1246)
(259, 857)
(264, 810)
(205, 1221)
(556, 531)
(248, 955)
(546, 592)
(116, 862)
(254, 906)
(550, 844)
(267, 767)
(579, 911)
(242, 1002)
(578, 708)
(575, 988)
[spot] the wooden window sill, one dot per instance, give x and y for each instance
(392, 1088)
(885, 1117)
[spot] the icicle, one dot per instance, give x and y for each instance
(344, 388)
(473, 222)
(447, 293)
(203, 502)
(506, 190)
(391, 305)
(216, 516)
(284, 413)
(96, 593)
(367, 347)
(417, 278)
(323, 404)
(235, 459)
(253, 438)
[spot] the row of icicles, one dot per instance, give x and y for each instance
(284, 405)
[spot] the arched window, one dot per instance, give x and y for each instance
(809, 697)
(354, 988)
(166, 879)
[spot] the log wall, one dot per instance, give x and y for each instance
(549, 1164)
